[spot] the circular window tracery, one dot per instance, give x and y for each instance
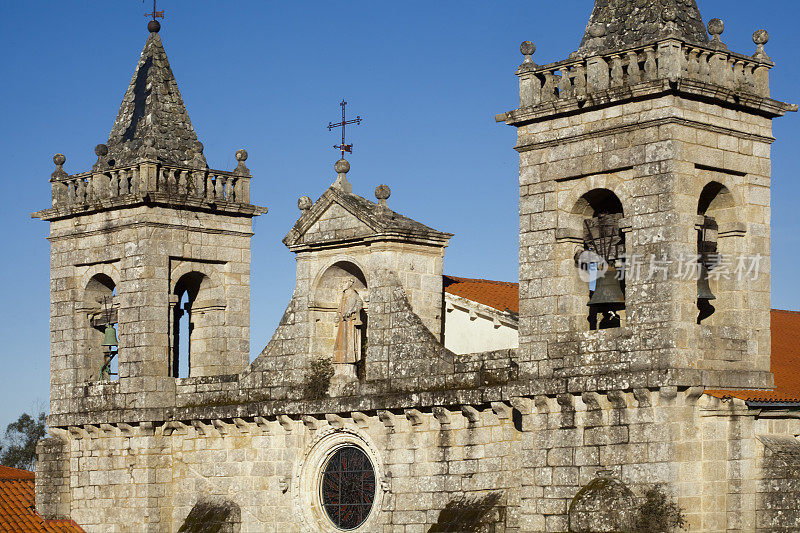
(348, 487)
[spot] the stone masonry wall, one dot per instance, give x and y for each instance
(144, 251)
(656, 155)
(527, 456)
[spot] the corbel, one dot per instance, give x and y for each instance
(221, 426)
(643, 397)
(335, 421)
(262, 423)
(501, 409)
(387, 418)
(360, 419)
(241, 425)
(414, 416)
(470, 413)
(286, 422)
(312, 423)
(442, 414)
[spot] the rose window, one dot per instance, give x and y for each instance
(348, 487)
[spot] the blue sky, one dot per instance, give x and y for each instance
(428, 77)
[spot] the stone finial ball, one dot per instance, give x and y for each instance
(59, 159)
(716, 27)
(241, 155)
(101, 150)
(670, 14)
(598, 30)
(153, 26)
(304, 203)
(342, 166)
(527, 48)
(382, 192)
(761, 37)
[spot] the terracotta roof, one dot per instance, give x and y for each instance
(6, 472)
(501, 295)
(17, 511)
(785, 326)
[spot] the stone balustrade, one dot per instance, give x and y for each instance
(146, 178)
(667, 60)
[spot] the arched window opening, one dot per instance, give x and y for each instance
(184, 331)
(184, 322)
(714, 205)
(102, 345)
(602, 258)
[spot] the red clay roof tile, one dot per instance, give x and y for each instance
(500, 295)
(17, 511)
(785, 329)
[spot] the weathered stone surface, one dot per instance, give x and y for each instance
(496, 441)
(620, 24)
(153, 110)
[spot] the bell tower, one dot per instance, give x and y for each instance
(646, 153)
(150, 244)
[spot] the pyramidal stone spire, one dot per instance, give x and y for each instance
(152, 122)
(620, 24)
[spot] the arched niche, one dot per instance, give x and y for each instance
(328, 285)
(98, 308)
(325, 299)
(198, 318)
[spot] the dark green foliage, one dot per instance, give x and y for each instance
(470, 515)
(212, 516)
(657, 513)
(19, 446)
(319, 378)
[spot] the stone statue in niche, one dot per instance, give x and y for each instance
(347, 348)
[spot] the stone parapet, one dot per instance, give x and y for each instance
(581, 82)
(150, 183)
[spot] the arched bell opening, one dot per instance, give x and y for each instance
(601, 259)
(101, 332)
(715, 207)
(193, 320)
(338, 309)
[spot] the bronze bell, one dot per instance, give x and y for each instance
(703, 288)
(608, 290)
(110, 337)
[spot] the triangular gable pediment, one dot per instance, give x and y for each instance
(330, 219)
(339, 216)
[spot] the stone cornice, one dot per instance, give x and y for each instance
(150, 224)
(254, 402)
(640, 126)
(160, 199)
(687, 88)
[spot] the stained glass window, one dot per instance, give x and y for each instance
(348, 487)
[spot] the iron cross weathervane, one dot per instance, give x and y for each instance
(154, 14)
(344, 147)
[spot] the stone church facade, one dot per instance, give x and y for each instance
(652, 140)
